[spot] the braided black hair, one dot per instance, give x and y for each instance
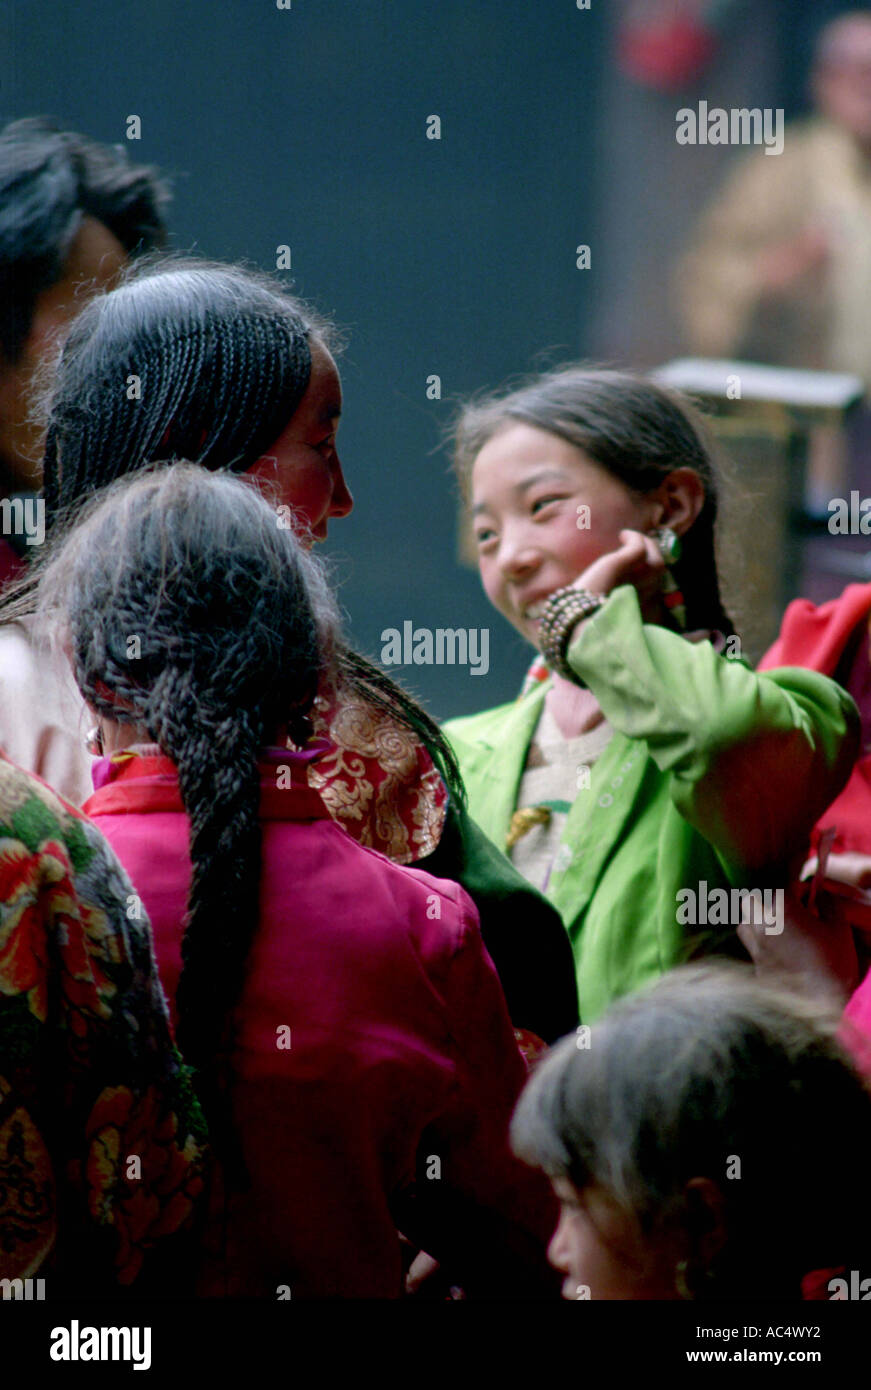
(192, 359)
(184, 360)
(190, 613)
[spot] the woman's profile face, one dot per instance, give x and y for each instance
(542, 512)
(303, 466)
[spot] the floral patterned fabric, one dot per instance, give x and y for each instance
(378, 781)
(101, 1139)
(380, 784)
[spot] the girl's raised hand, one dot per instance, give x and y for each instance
(637, 560)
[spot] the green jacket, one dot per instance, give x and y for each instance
(715, 775)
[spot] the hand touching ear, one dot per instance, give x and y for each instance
(637, 561)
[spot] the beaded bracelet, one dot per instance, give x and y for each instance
(562, 612)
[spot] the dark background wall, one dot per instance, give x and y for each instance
(307, 127)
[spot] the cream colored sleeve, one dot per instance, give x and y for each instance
(41, 716)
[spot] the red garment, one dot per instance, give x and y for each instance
(818, 639)
(401, 1065)
(856, 1031)
(815, 637)
(11, 563)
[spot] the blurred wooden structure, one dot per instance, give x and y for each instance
(763, 418)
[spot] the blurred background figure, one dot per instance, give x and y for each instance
(72, 214)
(780, 267)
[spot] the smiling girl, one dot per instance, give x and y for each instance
(646, 758)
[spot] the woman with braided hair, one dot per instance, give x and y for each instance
(219, 365)
(349, 1035)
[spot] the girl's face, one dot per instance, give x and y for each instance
(303, 466)
(596, 1249)
(530, 492)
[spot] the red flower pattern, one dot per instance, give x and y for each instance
(161, 1199)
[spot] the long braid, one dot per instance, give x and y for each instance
(231, 619)
(219, 783)
(698, 578)
(216, 756)
(216, 759)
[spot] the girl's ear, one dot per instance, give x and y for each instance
(679, 499)
(706, 1219)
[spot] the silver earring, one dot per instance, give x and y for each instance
(94, 741)
(668, 542)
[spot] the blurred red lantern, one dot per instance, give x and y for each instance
(666, 43)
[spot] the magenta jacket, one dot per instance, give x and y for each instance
(389, 1108)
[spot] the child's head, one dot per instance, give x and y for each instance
(190, 613)
(192, 360)
(555, 470)
(708, 1139)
